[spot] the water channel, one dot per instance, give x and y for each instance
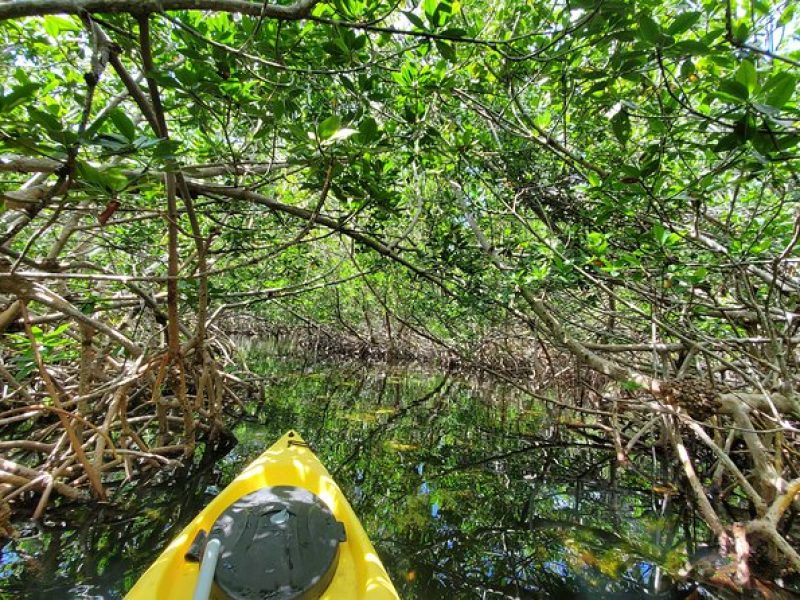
(467, 488)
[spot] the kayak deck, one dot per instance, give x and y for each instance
(359, 574)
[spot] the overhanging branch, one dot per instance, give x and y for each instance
(38, 8)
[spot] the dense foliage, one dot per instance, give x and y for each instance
(611, 180)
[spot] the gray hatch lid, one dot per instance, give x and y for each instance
(278, 543)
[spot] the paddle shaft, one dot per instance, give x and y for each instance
(207, 567)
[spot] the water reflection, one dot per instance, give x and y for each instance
(466, 488)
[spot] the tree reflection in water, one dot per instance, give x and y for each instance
(466, 488)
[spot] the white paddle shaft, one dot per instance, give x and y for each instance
(202, 590)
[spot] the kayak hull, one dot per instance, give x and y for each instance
(359, 573)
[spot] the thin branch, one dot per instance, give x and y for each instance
(38, 8)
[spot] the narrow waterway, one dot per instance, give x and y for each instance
(467, 489)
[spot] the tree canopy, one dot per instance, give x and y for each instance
(615, 179)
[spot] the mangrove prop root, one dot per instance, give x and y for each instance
(69, 429)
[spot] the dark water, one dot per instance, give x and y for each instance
(467, 489)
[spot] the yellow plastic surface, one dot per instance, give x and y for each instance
(360, 573)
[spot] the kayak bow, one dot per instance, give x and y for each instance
(286, 531)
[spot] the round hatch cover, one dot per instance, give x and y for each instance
(278, 543)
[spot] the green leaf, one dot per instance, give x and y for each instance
(429, 7)
(341, 134)
(166, 149)
(683, 22)
(785, 142)
(747, 76)
(368, 130)
(664, 236)
(649, 31)
(741, 31)
(53, 25)
(188, 77)
(621, 125)
(446, 50)
(94, 127)
(351, 8)
(659, 233)
(763, 142)
(113, 142)
(18, 95)
(780, 88)
(746, 127)
(735, 89)
(787, 14)
(597, 242)
(142, 142)
(455, 33)
(689, 47)
(123, 124)
(728, 142)
(105, 180)
(328, 127)
(543, 119)
(414, 20)
(45, 120)
(438, 12)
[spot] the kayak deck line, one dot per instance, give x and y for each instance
(359, 574)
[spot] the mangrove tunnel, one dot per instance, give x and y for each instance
(524, 275)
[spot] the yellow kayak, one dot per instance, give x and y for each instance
(281, 530)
